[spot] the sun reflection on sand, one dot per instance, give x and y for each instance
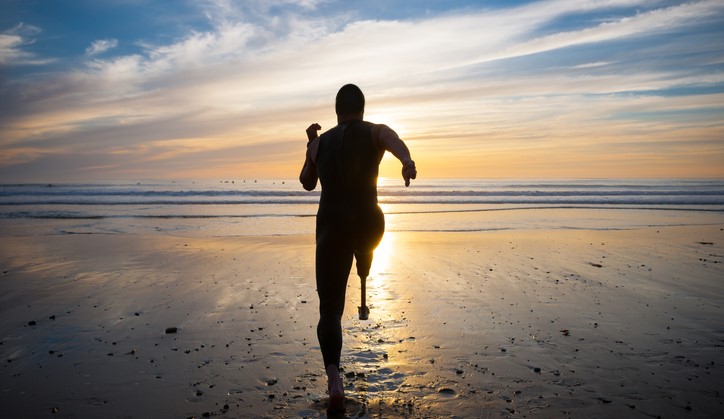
(381, 297)
(384, 255)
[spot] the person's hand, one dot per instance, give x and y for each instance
(409, 171)
(312, 131)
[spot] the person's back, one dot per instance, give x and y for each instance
(348, 165)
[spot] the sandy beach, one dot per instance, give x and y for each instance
(539, 323)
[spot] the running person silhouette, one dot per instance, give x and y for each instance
(350, 224)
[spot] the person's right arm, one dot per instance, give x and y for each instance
(309, 175)
(388, 140)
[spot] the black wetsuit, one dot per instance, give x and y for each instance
(349, 222)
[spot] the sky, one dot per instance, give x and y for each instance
(223, 89)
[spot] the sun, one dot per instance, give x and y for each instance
(389, 119)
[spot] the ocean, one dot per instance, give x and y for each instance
(282, 207)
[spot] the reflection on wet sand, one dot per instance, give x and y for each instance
(387, 372)
(554, 323)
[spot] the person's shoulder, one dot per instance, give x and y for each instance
(375, 125)
(386, 132)
(381, 129)
(328, 132)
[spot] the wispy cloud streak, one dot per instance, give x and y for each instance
(100, 46)
(13, 43)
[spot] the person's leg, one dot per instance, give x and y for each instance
(336, 390)
(369, 236)
(333, 264)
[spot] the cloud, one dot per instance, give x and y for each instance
(266, 12)
(644, 23)
(486, 80)
(9, 50)
(593, 65)
(13, 42)
(100, 46)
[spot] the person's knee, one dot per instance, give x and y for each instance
(364, 263)
(331, 313)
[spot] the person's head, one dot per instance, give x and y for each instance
(350, 101)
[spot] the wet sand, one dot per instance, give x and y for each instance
(545, 323)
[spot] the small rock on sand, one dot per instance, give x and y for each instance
(597, 265)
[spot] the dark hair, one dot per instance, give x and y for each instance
(350, 100)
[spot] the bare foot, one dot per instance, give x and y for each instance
(336, 390)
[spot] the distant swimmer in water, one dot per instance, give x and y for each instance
(350, 224)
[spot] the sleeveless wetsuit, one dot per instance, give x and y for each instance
(349, 222)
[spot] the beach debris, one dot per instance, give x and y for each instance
(707, 243)
(596, 265)
(566, 332)
(52, 317)
(171, 330)
(272, 381)
(32, 323)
